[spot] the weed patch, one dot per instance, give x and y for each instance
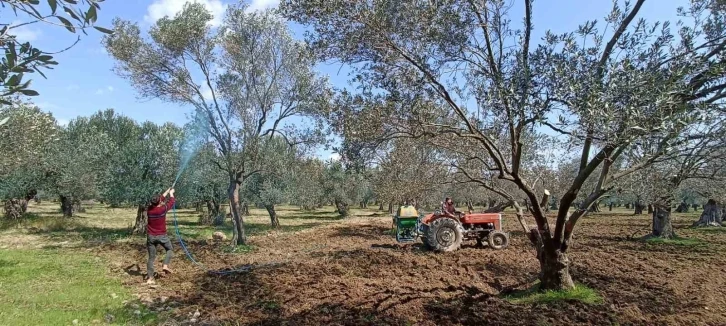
(678, 241)
(533, 295)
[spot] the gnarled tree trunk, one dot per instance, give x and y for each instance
(66, 206)
(274, 221)
(682, 208)
(498, 208)
(554, 264)
(239, 237)
(342, 208)
(245, 209)
(142, 219)
(662, 226)
(712, 215)
(14, 208)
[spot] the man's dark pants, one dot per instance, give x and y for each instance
(151, 242)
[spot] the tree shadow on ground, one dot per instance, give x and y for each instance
(362, 231)
(321, 217)
(651, 296)
(87, 234)
(196, 231)
(607, 242)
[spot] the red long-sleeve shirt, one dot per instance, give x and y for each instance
(157, 218)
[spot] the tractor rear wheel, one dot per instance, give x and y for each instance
(444, 234)
(498, 240)
(424, 238)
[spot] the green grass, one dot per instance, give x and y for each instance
(710, 229)
(52, 287)
(241, 249)
(678, 241)
(532, 295)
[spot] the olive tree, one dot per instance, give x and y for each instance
(306, 191)
(606, 89)
(409, 170)
(246, 79)
(76, 164)
(21, 57)
(26, 134)
(270, 186)
(202, 183)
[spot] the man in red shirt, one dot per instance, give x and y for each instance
(156, 232)
(447, 208)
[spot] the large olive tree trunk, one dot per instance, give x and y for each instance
(343, 209)
(14, 208)
(239, 237)
(142, 220)
(662, 226)
(66, 206)
(213, 212)
(554, 263)
(274, 221)
(712, 215)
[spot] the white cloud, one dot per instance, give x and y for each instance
(24, 33)
(262, 5)
(334, 157)
(104, 90)
(62, 122)
(161, 8)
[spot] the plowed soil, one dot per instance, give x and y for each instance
(353, 272)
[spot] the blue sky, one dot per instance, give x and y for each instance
(84, 83)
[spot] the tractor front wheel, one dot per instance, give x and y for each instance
(498, 240)
(444, 234)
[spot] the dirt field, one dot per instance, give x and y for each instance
(352, 272)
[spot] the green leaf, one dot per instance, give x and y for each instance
(13, 81)
(67, 24)
(103, 30)
(29, 92)
(91, 14)
(53, 6)
(70, 12)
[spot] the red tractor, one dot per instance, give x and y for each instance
(442, 233)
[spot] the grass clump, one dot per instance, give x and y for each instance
(533, 295)
(710, 229)
(677, 241)
(54, 287)
(240, 249)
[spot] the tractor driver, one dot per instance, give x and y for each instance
(447, 208)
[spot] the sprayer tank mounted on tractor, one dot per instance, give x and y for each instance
(442, 233)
